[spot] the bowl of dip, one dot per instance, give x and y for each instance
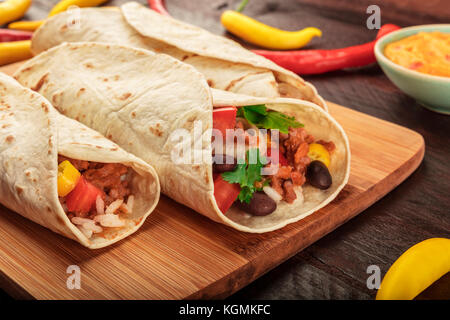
(417, 60)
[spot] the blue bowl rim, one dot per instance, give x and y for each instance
(383, 41)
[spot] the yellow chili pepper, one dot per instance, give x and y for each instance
(265, 36)
(416, 269)
(320, 153)
(68, 177)
(15, 51)
(26, 25)
(58, 8)
(11, 10)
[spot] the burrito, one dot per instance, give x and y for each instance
(283, 158)
(225, 63)
(67, 177)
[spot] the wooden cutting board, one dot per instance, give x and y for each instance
(179, 254)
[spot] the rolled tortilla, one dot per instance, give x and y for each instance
(32, 134)
(139, 100)
(225, 63)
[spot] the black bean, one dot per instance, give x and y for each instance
(227, 163)
(318, 175)
(260, 205)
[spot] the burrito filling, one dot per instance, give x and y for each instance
(94, 195)
(238, 178)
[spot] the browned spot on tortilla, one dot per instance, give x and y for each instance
(105, 79)
(50, 143)
(27, 173)
(89, 65)
(109, 136)
(60, 220)
(64, 27)
(9, 139)
(210, 83)
(133, 114)
(206, 177)
(125, 96)
(25, 70)
(19, 190)
(40, 83)
(116, 77)
(49, 152)
(45, 107)
(6, 125)
(196, 167)
(34, 180)
(98, 147)
(81, 91)
(184, 57)
(156, 131)
(98, 137)
(141, 53)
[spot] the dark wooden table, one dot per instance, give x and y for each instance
(335, 266)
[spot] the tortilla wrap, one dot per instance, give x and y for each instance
(225, 63)
(139, 99)
(32, 134)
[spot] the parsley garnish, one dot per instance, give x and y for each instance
(246, 174)
(259, 116)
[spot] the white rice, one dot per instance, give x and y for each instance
(114, 206)
(100, 205)
(87, 226)
(87, 232)
(130, 203)
(272, 193)
(109, 220)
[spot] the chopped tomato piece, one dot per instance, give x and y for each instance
(224, 118)
(225, 193)
(82, 198)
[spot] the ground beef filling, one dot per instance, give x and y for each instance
(294, 146)
(108, 177)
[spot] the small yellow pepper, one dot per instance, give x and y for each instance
(68, 177)
(265, 36)
(26, 25)
(320, 153)
(11, 10)
(416, 269)
(58, 8)
(15, 51)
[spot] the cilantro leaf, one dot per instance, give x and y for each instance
(259, 116)
(247, 174)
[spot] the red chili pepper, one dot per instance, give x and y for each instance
(7, 35)
(320, 61)
(158, 6)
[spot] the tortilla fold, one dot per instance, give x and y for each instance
(225, 63)
(139, 100)
(32, 135)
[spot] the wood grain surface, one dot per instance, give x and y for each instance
(335, 266)
(179, 254)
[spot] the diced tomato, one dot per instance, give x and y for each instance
(224, 118)
(82, 198)
(225, 193)
(281, 159)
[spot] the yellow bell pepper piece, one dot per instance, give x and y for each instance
(11, 10)
(68, 177)
(15, 51)
(319, 152)
(416, 269)
(265, 36)
(58, 8)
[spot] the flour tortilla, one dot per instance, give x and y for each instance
(139, 99)
(225, 63)
(32, 134)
